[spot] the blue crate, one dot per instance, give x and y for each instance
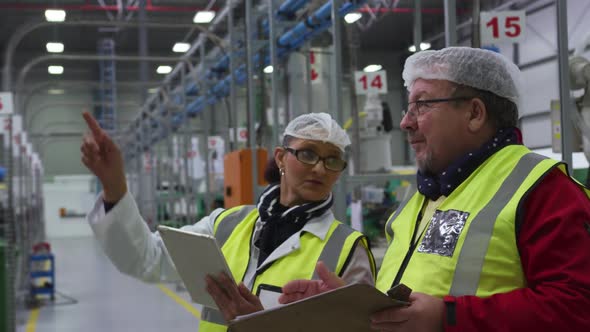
(48, 288)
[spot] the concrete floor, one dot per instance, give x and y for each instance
(106, 299)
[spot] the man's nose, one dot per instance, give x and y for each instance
(408, 122)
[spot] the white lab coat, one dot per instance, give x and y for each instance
(136, 251)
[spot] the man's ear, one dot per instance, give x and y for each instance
(478, 115)
(279, 156)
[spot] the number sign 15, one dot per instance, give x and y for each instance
(505, 26)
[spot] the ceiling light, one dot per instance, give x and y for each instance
(181, 47)
(55, 15)
(56, 91)
(54, 47)
(372, 68)
(352, 17)
(152, 90)
(423, 46)
(55, 70)
(204, 16)
(164, 69)
(267, 69)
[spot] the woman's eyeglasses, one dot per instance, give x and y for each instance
(309, 157)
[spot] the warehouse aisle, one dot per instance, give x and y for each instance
(106, 299)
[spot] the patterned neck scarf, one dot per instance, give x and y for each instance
(433, 186)
(280, 222)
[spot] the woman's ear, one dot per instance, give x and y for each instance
(279, 157)
(478, 115)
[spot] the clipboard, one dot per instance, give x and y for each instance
(195, 256)
(345, 309)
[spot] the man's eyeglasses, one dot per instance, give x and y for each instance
(309, 157)
(419, 107)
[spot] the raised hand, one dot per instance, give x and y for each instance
(103, 158)
(301, 289)
(231, 299)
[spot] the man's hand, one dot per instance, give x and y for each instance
(425, 314)
(300, 289)
(103, 158)
(231, 299)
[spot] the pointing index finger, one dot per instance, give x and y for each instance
(93, 125)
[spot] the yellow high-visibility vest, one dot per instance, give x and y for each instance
(469, 246)
(233, 230)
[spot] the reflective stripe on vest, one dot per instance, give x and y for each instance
(213, 316)
(471, 258)
(333, 248)
(399, 209)
(224, 229)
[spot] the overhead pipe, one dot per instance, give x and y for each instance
(294, 38)
(84, 57)
(28, 122)
(26, 28)
(109, 8)
(406, 10)
(317, 22)
(196, 45)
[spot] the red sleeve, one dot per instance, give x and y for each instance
(554, 244)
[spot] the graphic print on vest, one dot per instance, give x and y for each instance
(443, 232)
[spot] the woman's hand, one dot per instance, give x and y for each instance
(301, 289)
(103, 158)
(231, 299)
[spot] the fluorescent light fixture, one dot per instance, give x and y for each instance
(372, 68)
(54, 47)
(56, 91)
(423, 46)
(152, 90)
(164, 69)
(204, 16)
(352, 17)
(267, 69)
(55, 70)
(181, 47)
(55, 15)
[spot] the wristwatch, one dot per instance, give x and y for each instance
(450, 312)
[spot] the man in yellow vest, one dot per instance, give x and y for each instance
(497, 238)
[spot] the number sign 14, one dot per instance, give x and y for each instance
(375, 82)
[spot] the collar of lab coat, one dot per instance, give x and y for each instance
(318, 226)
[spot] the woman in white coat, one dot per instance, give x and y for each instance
(291, 223)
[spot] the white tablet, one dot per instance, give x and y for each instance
(195, 256)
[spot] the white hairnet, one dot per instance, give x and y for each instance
(474, 67)
(318, 127)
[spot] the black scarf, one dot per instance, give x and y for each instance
(433, 186)
(280, 222)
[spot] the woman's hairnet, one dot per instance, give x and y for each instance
(318, 127)
(474, 67)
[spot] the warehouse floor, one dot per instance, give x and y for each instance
(94, 296)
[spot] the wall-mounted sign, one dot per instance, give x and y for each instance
(370, 83)
(6, 104)
(497, 27)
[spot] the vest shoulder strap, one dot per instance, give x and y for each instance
(227, 221)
